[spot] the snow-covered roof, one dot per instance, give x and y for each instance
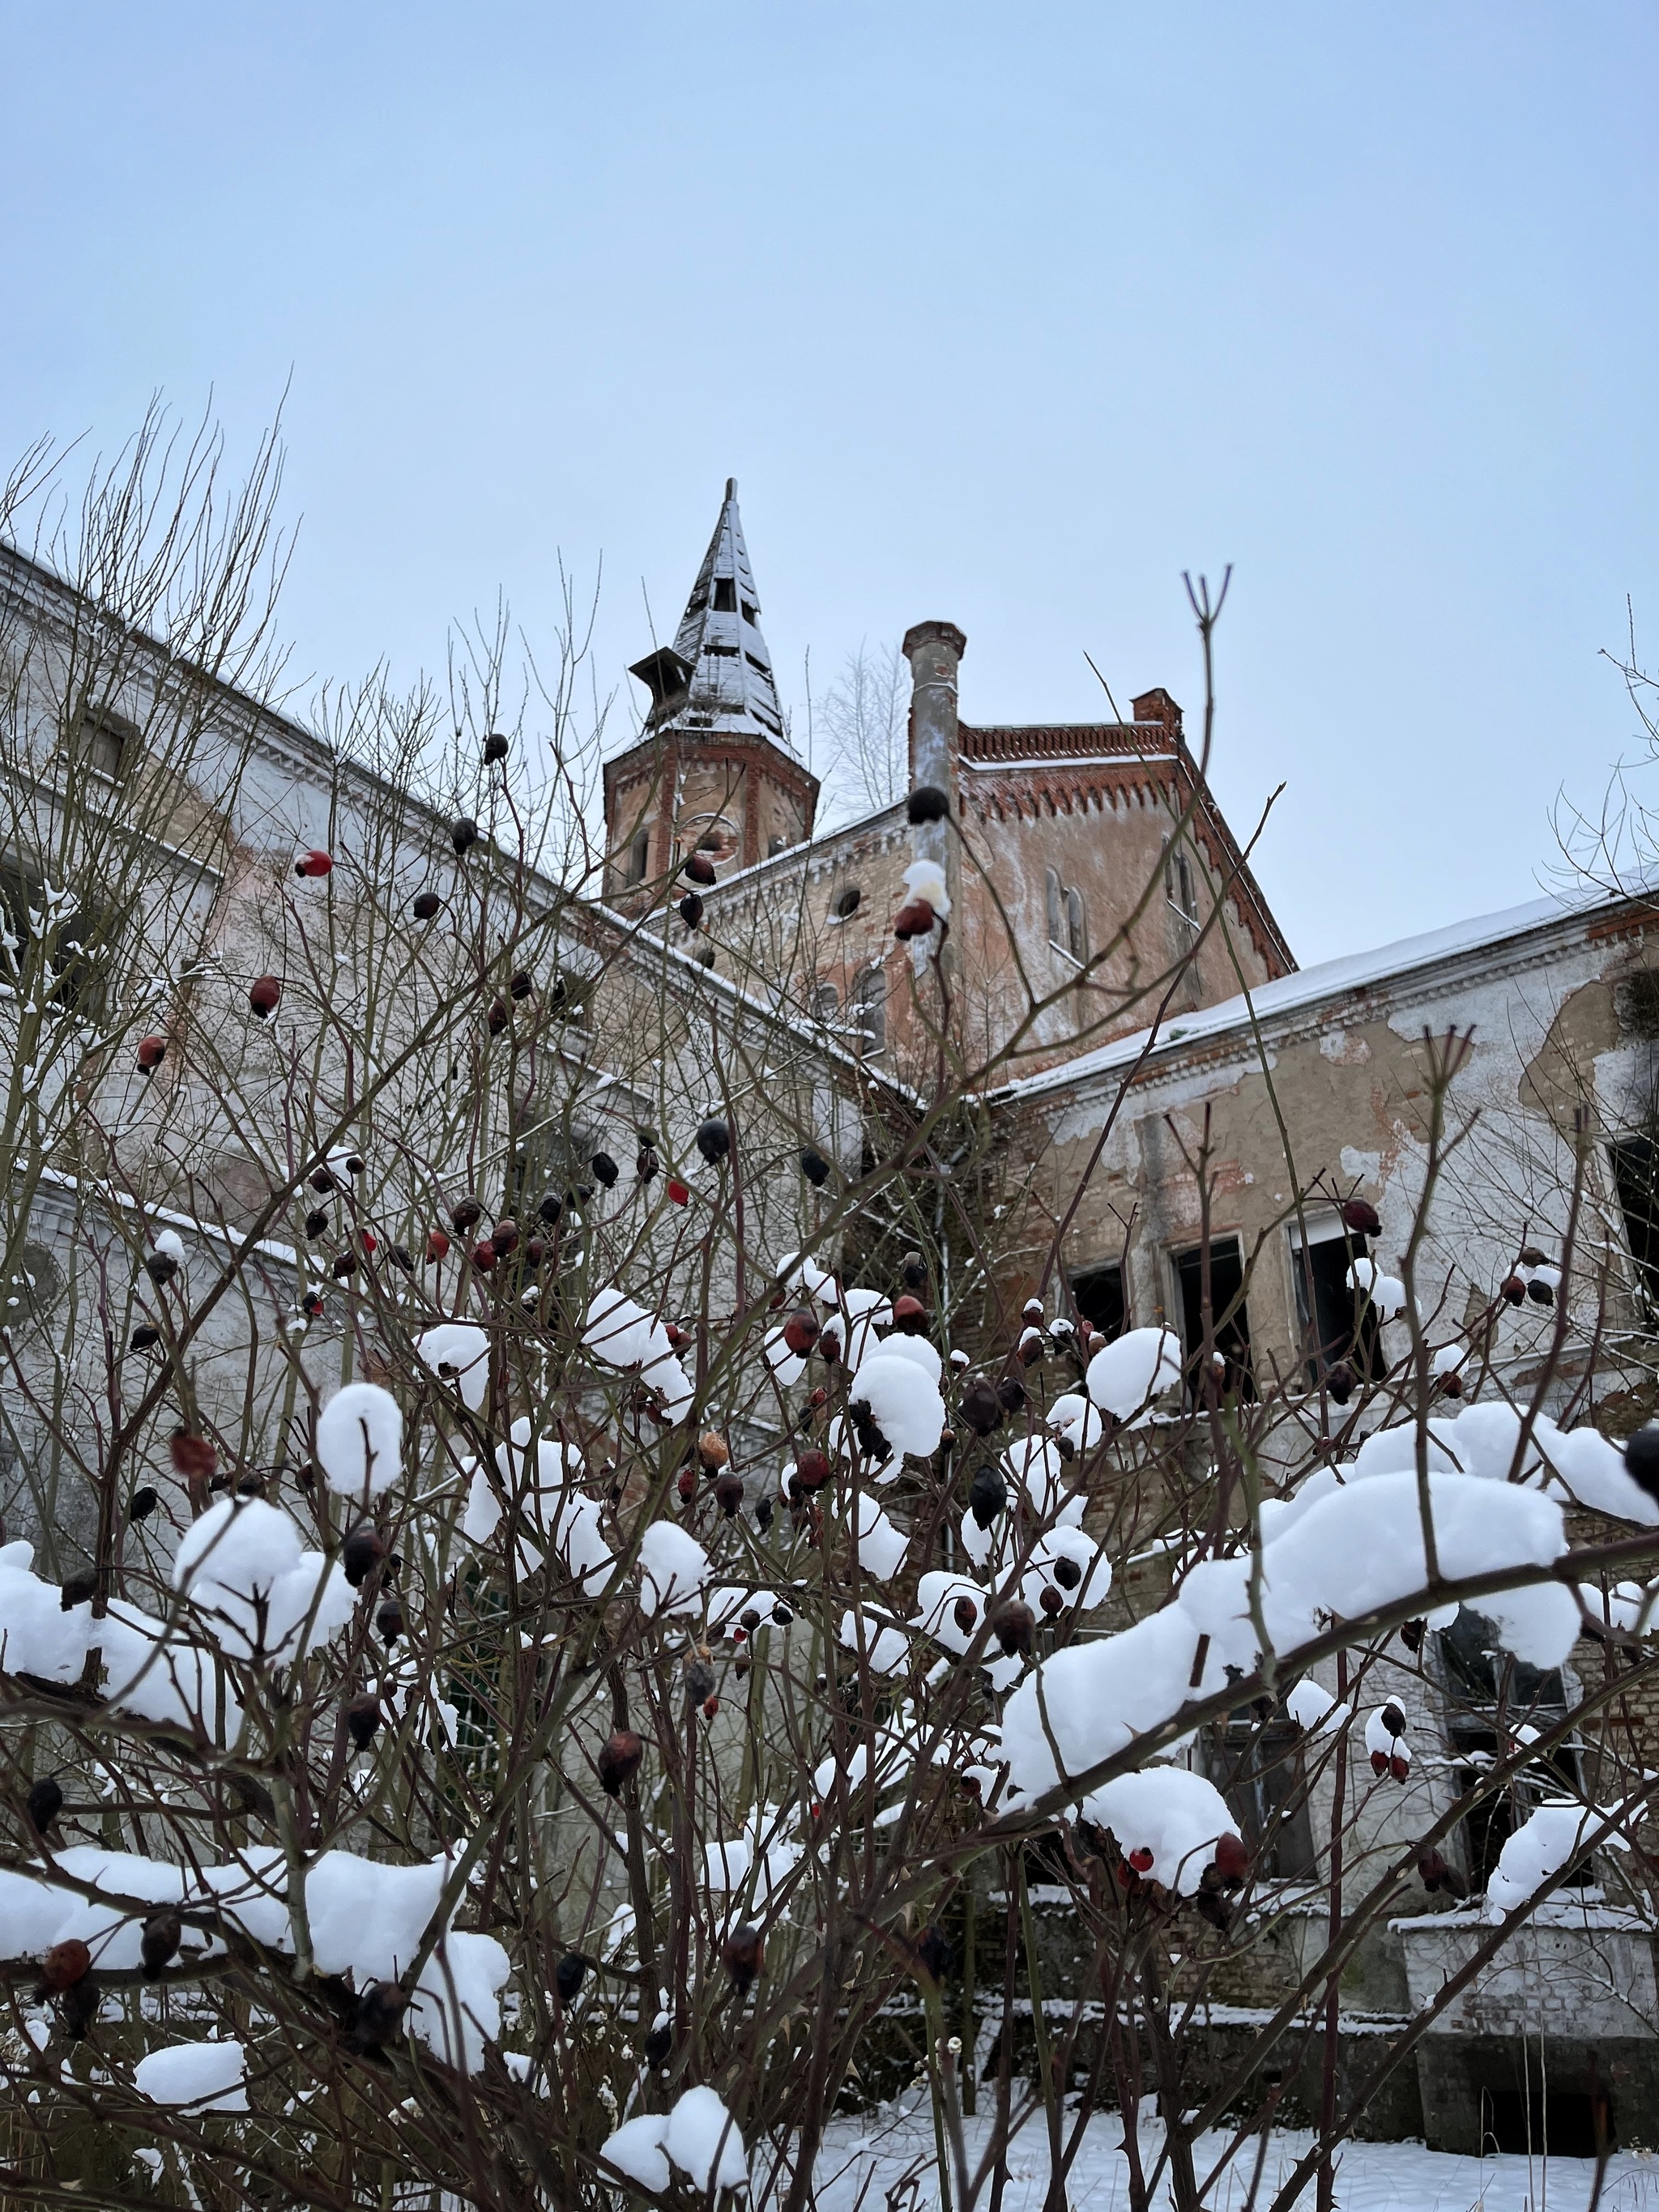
(1354, 971)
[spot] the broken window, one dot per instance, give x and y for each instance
(1491, 1696)
(725, 596)
(1337, 1325)
(1230, 1320)
(869, 1008)
(1098, 1297)
(1258, 1770)
(103, 744)
(1635, 1162)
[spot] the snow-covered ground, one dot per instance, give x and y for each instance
(886, 2158)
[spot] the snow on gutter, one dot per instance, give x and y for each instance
(1309, 987)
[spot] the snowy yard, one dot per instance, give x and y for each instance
(892, 2150)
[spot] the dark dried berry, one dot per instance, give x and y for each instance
(569, 1975)
(143, 1338)
(1392, 1719)
(466, 1213)
(909, 1315)
(1412, 1633)
(78, 1589)
(1360, 1217)
(403, 1258)
(379, 2016)
(934, 1952)
(728, 1492)
(606, 1170)
(714, 1140)
(143, 1503)
(913, 1272)
(657, 2044)
(163, 1933)
(1066, 1573)
(426, 906)
(42, 1804)
(927, 803)
(743, 1954)
(1011, 1394)
(800, 1331)
(1540, 1292)
(362, 1552)
(763, 1514)
(389, 1620)
(699, 1681)
(965, 1613)
(691, 910)
(699, 869)
(64, 1965)
(646, 1163)
(814, 1167)
(363, 1718)
(813, 1469)
(981, 1407)
(988, 1495)
(1513, 1289)
(1642, 1459)
(505, 1237)
(495, 748)
(1013, 1624)
(317, 1223)
(463, 834)
(344, 1267)
(549, 1209)
(161, 1266)
(1339, 1381)
(619, 1759)
(1052, 1602)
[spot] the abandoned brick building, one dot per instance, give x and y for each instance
(1062, 830)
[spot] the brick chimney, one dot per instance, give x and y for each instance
(1156, 706)
(934, 649)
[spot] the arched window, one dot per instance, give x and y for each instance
(1056, 920)
(639, 856)
(1076, 926)
(869, 1000)
(826, 1005)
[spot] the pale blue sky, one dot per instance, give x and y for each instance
(1002, 314)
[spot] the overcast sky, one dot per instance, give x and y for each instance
(1004, 314)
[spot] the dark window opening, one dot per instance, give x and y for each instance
(1179, 883)
(826, 1004)
(847, 903)
(1635, 1162)
(1077, 931)
(1481, 1679)
(1098, 1297)
(711, 841)
(1230, 1320)
(1562, 2121)
(103, 744)
(756, 664)
(751, 614)
(1258, 1772)
(775, 845)
(71, 977)
(639, 856)
(1338, 1324)
(870, 1000)
(725, 596)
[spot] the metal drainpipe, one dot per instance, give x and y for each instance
(934, 649)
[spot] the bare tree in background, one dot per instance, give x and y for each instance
(866, 714)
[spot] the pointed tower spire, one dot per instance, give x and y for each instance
(717, 674)
(713, 767)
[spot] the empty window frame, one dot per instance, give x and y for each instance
(1483, 1683)
(1076, 927)
(847, 903)
(1097, 1294)
(826, 1004)
(1178, 883)
(1336, 1325)
(1258, 1770)
(1068, 928)
(868, 1007)
(1635, 1164)
(639, 856)
(725, 596)
(103, 744)
(1230, 1318)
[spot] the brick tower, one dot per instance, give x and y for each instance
(713, 767)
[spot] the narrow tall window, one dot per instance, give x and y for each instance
(1076, 927)
(869, 998)
(1098, 1296)
(639, 856)
(1057, 918)
(1635, 1162)
(1337, 1325)
(102, 746)
(1230, 1319)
